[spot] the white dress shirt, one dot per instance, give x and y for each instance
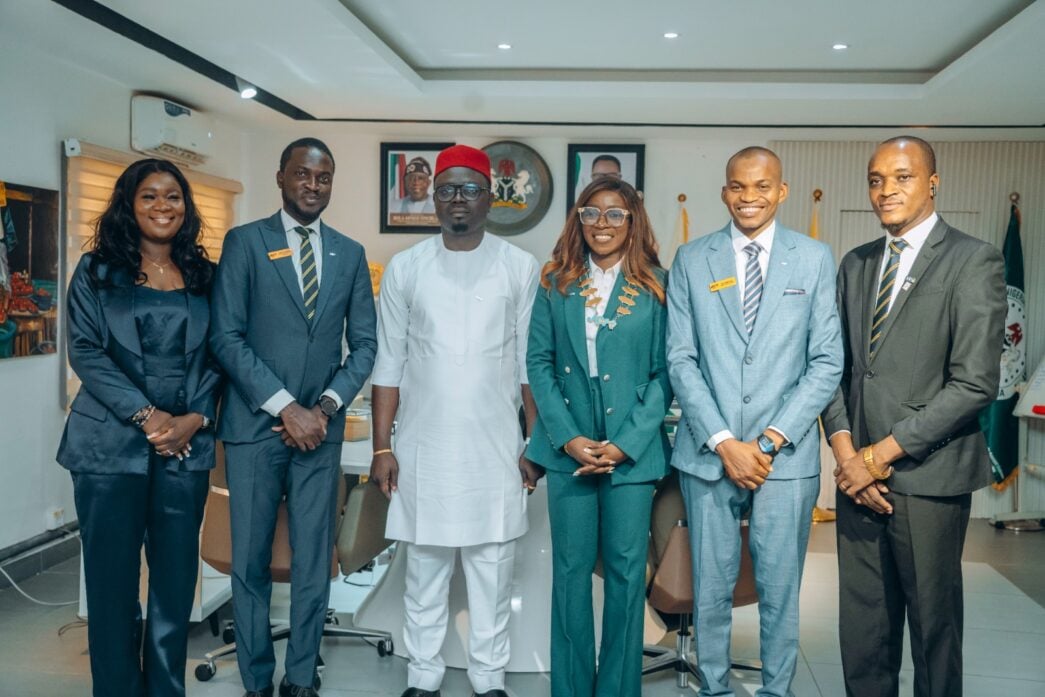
(915, 239)
(278, 402)
(740, 240)
(602, 282)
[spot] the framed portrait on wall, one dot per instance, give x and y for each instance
(588, 161)
(407, 204)
(28, 270)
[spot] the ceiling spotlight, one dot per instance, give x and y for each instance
(840, 47)
(246, 90)
(671, 35)
(504, 47)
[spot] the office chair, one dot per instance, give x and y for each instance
(216, 550)
(671, 591)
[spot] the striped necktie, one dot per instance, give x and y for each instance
(885, 291)
(752, 285)
(309, 280)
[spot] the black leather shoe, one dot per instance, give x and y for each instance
(418, 692)
(491, 693)
(288, 689)
(267, 692)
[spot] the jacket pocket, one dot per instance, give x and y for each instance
(641, 391)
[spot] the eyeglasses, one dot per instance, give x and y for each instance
(615, 217)
(469, 192)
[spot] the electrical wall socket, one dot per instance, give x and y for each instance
(54, 518)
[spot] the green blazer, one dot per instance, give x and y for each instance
(636, 392)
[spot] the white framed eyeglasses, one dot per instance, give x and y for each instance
(615, 217)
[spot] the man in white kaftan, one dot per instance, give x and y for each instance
(451, 370)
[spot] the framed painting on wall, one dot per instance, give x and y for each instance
(407, 170)
(28, 270)
(585, 162)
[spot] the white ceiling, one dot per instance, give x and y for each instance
(746, 62)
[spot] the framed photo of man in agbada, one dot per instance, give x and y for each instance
(585, 162)
(407, 204)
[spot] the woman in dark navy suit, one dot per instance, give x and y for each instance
(137, 441)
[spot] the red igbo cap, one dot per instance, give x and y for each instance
(463, 156)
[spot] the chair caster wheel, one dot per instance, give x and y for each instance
(385, 647)
(228, 635)
(205, 671)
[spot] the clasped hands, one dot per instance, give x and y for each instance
(744, 462)
(170, 435)
(854, 480)
(594, 457)
(302, 428)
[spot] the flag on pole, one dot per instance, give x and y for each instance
(1000, 426)
(682, 223)
(814, 221)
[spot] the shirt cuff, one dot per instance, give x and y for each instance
(841, 430)
(774, 429)
(334, 396)
(716, 439)
(277, 403)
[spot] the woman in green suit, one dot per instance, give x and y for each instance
(597, 369)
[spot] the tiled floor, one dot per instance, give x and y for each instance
(1004, 632)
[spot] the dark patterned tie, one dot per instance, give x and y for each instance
(885, 291)
(752, 285)
(309, 280)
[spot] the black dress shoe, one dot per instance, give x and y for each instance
(267, 692)
(491, 693)
(418, 692)
(289, 689)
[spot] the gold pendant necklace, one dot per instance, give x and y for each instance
(160, 267)
(627, 300)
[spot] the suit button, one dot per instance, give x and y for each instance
(747, 400)
(748, 360)
(606, 377)
(869, 374)
(566, 399)
(567, 370)
(609, 412)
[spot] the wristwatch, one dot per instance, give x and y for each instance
(328, 406)
(766, 445)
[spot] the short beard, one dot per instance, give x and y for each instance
(894, 228)
(459, 228)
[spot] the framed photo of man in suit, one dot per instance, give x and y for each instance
(407, 204)
(586, 162)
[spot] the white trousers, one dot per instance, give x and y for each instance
(488, 577)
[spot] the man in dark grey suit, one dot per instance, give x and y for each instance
(922, 319)
(288, 289)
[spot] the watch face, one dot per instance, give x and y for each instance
(765, 444)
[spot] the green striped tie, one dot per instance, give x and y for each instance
(885, 291)
(309, 280)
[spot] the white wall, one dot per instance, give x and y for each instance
(42, 102)
(689, 161)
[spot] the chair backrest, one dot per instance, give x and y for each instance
(362, 533)
(216, 534)
(671, 590)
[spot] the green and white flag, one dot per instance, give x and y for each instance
(999, 425)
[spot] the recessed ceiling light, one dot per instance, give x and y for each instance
(840, 47)
(504, 47)
(671, 35)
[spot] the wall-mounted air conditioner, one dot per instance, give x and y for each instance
(168, 130)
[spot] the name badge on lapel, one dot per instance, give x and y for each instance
(280, 254)
(724, 283)
(908, 282)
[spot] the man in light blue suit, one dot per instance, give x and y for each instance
(754, 353)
